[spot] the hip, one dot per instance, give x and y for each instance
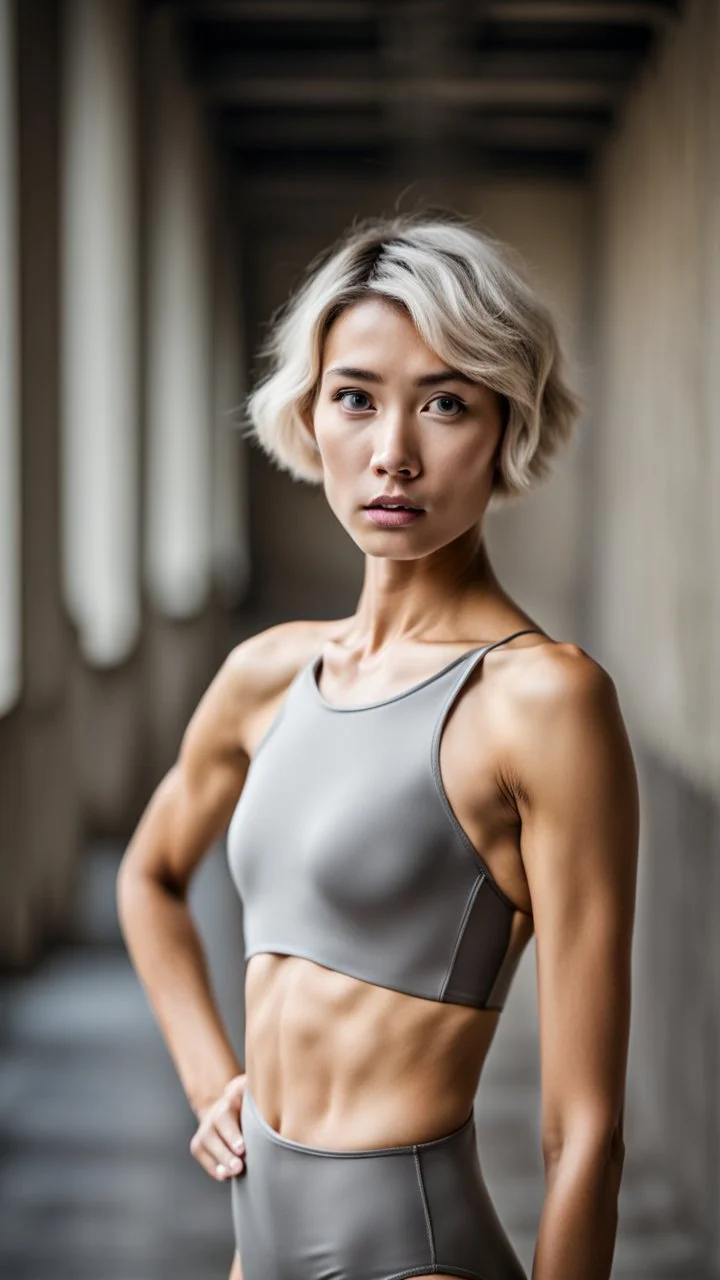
(302, 1212)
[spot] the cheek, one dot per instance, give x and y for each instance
(467, 464)
(342, 448)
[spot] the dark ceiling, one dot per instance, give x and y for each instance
(380, 87)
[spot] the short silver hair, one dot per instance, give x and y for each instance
(470, 303)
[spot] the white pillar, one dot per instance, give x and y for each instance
(231, 538)
(179, 460)
(100, 399)
(10, 602)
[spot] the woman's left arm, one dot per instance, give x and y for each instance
(576, 791)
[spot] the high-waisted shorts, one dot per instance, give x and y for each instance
(387, 1213)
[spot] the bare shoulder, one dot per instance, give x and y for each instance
(258, 670)
(559, 676)
(251, 677)
(273, 654)
(562, 716)
(265, 662)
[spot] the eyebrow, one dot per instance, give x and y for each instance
(427, 379)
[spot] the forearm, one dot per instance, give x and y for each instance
(578, 1224)
(167, 953)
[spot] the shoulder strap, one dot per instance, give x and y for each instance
(448, 702)
(476, 656)
(528, 631)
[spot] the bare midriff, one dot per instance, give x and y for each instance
(333, 1061)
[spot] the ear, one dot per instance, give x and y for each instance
(306, 416)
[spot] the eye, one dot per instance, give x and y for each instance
(340, 395)
(451, 400)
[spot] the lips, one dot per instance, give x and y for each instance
(398, 502)
(393, 517)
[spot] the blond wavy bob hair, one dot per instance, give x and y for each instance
(469, 302)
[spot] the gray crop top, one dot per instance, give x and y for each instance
(345, 850)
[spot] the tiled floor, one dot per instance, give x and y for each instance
(97, 1182)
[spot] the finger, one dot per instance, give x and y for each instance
(228, 1126)
(225, 1135)
(221, 1153)
(218, 1172)
(215, 1157)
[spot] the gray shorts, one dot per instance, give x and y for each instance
(388, 1213)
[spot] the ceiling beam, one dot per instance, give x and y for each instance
(526, 64)
(651, 13)
(313, 175)
(256, 133)
(331, 91)
(276, 10)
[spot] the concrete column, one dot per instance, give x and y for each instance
(178, 559)
(41, 836)
(10, 603)
(231, 533)
(178, 523)
(101, 399)
(99, 330)
(13, 910)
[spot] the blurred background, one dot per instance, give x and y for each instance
(167, 170)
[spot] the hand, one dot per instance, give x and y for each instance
(217, 1143)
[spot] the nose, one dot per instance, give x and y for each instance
(395, 450)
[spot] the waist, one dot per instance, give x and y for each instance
(337, 1062)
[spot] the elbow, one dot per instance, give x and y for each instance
(137, 886)
(586, 1143)
(131, 870)
(145, 871)
(126, 885)
(133, 880)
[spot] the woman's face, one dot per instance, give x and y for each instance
(390, 417)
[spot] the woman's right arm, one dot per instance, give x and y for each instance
(188, 812)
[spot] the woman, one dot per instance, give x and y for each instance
(410, 793)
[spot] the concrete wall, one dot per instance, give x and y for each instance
(656, 587)
(537, 543)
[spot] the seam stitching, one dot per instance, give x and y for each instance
(278, 717)
(394, 697)
(426, 1210)
(350, 1153)
(451, 1271)
(440, 787)
(461, 931)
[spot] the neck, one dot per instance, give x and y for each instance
(443, 597)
